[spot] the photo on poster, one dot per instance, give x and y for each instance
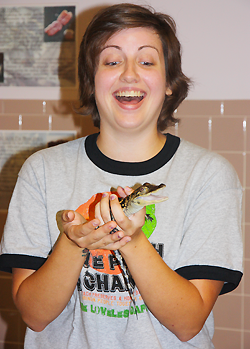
(59, 23)
(33, 57)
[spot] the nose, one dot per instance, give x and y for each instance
(129, 73)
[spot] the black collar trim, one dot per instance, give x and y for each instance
(131, 168)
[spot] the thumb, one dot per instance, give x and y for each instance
(64, 216)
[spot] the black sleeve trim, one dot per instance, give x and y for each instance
(230, 277)
(9, 261)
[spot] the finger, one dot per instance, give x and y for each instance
(108, 238)
(88, 227)
(121, 192)
(62, 217)
(117, 211)
(105, 208)
(78, 232)
(68, 216)
(99, 238)
(128, 190)
(98, 213)
(116, 245)
(110, 241)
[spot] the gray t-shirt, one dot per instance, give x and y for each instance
(196, 231)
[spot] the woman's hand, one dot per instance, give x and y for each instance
(129, 226)
(90, 234)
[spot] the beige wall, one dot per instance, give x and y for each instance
(201, 123)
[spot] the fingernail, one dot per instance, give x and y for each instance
(104, 195)
(111, 227)
(112, 197)
(95, 223)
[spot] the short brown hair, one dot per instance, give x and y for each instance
(113, 19)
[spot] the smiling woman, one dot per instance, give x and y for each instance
(110, 22)
(130, 83)
(178, 260)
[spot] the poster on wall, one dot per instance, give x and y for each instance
(16, 147)
(37, 46)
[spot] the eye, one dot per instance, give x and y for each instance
(111, 63)
(148, 64)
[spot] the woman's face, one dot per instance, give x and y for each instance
(130, 81)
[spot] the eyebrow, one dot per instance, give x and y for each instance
(145, 46)
(139, 49)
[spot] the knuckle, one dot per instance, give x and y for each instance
(95, 238)
(122, 221)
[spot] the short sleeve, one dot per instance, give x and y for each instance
(211, 247)
(26, 241)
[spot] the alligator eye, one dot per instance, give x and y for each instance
(142, 189)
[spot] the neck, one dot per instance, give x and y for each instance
(130, 147)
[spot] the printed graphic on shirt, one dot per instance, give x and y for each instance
(150, 221)
(102, 286)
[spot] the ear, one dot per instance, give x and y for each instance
(168, 91)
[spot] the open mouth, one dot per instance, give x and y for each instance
(131, 97)
(151, 198)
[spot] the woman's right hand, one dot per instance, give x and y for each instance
(88, 234)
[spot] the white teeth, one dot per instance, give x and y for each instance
(130, 94)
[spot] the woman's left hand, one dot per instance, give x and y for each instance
(129, 225)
